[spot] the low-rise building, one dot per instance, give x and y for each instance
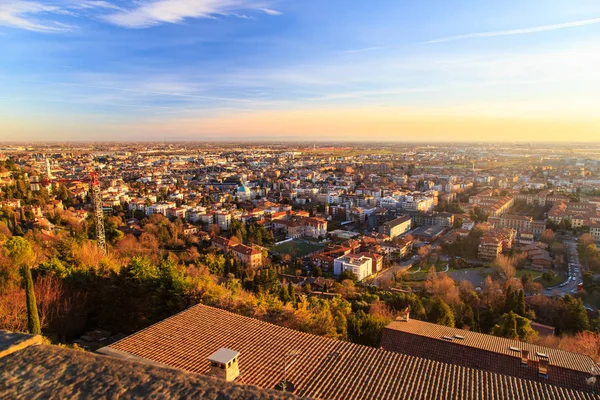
(247, 256)
(360, 265)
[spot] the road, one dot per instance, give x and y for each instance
(388, 274)
(574, 275)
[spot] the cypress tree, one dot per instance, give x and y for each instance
(283, 294)
(33, 318)
(509, 300)
(521, 303)
(510, 326)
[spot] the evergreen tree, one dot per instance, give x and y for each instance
(576, 319)
(441, 313)
(366, 328)
(33, 318)
(284, 295)
(317, 272)
(509, 301)
(291, 292)
(514, 326)
(521, 303)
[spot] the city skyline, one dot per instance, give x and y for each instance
(282, 70)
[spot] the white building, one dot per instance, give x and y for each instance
(223, 220)
(361, 266)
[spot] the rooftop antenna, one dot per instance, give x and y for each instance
(284, 384)
(98, 212)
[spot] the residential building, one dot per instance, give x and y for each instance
(223, 219)
(360, 265)
(396, 227)
(247, 256)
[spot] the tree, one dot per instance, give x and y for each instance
(505, 266)
(442, 286)
(317, 272)
(514, 326)
(441, 313)
(19, 251)
(508, 329)
(33, 318)
(548, 236)
(424, 253)
(347, 274)
(576, 318)
(520, 307)
(366, 329)
(586, 239)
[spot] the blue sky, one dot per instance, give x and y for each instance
(202, 69)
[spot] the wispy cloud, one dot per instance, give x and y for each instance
(142, 91)
(29, 15)
(146, 14)
(86, 5)
(271, 11)
(361, 50)
(535, 29)
(46, 17)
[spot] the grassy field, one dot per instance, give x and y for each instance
(297, 248)
(521, 272)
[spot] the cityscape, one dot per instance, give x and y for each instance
(242, 199)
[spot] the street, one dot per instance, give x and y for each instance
(574, 274)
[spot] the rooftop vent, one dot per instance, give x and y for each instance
(460, 337)
(224, 364)
(449, 338)
(511, 348)
(541, 355)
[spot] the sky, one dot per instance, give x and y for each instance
(310, 70)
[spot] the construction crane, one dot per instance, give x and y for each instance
(96, 197)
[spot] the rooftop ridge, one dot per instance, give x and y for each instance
(533, 348)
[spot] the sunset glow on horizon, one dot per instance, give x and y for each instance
(250, 70)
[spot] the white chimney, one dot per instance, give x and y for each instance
(224, 364)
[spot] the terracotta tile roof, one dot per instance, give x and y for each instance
(326, 368)
(487, 352)
(245, 250)
(495, 344)
(51, 372)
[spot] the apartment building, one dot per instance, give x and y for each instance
(396, 227)
(494, 242)
(360, 265)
